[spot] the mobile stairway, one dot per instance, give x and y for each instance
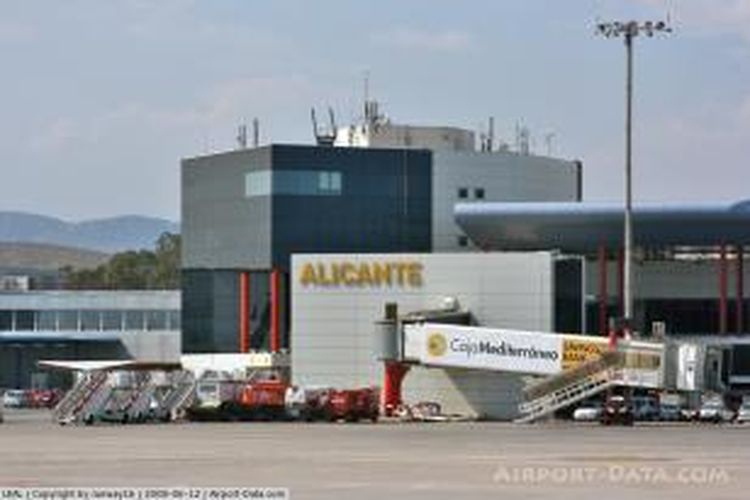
(90, 391)
(631, 367)
(569, 387)
(180, 396)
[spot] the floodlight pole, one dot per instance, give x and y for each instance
(629, 30)
(628, 237)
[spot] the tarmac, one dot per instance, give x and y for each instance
(386, 460)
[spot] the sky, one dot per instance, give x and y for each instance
(100, 99)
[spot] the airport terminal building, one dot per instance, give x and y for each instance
(246, 212)
(302, 249)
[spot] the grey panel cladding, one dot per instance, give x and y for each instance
(501, 176)
(221, 227)
(384, 206)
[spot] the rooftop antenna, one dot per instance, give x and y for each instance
(314, 123)
(491, 134)
(332, 117)
(367, 96)
(256, 132)
(242, 136)
(367, 86)
(323, 137)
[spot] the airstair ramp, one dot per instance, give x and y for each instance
(90, 391)
(181, 395)
(139, 401)
(569, 387)
(633, 367)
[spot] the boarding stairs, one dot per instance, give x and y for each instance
(181, 395)
(90, 390)
(138, 403)
(629, 366)
(570, 387)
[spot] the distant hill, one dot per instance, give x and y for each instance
(22, 258)
(130, 232)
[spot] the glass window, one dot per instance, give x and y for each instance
(336, 182)
(111, 320)
(67, 320)
(463, 241)
(258, 183)
(463, 193)
(134, 320)
(293, 182)
(479, 193)
(24, 320)
(6, 320)
(90, 320)
(46, 320)
(156, 320)
(173, 317)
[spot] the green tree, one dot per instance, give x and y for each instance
(132, 270)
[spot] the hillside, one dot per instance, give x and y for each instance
(28, 256)
(104, 235)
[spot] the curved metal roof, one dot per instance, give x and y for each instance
(582, 227)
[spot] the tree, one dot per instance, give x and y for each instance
(132, 270)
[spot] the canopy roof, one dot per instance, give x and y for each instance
(583, 227)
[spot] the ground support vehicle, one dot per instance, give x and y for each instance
(353, 405)
(307, 405)
(262, 400)
(215, 399)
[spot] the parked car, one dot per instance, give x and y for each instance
(587, 413)
(714, 410)
(617, 411)
(670, 412)
(43, 398)
(645, 408)
(743, 415)
(689, 414)
(14, 398)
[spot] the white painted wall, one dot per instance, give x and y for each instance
(504, 176)
(389, 135)
(333, 327)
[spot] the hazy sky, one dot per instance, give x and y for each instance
(99, 99)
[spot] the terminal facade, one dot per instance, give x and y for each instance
(246, 212)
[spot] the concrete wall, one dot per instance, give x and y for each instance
(504, 176)
(332, 326)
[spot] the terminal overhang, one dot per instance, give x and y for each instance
(584, 227)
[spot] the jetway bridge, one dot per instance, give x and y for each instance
(562, 369)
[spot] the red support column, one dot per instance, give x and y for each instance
(602, 256)
(275, 310)
(723, 289)
(244, 311)
(394, 377)
(740, 290)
